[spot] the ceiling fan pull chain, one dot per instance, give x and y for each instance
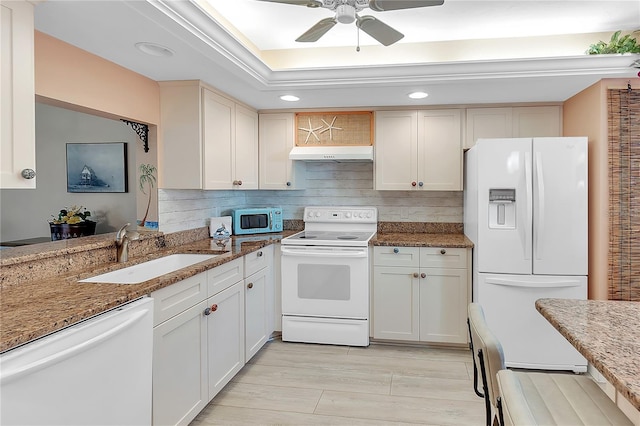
(358, 37)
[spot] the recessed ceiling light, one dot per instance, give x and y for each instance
(418, 95)
(289, 98)
(153, 49)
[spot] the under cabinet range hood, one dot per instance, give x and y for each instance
(332, 153)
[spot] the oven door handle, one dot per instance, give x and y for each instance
(306, 252)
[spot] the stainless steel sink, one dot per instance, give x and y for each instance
(148, 270)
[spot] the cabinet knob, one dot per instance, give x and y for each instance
(260, 253)
(214, 307)
(396, 250)
(207, 311)
(250, 285)
(423, 275)
(288, 183)
(28, 173)
(443, 251)
(413, 183)
(420, 184)
(415, 275)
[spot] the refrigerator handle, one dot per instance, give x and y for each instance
(539, 205)
(528, 200)
(533, 283)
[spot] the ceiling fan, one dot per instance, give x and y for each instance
(347, 12)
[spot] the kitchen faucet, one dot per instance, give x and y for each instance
(122, 242)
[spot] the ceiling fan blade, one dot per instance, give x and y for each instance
(379, 30)
(318, 30)
(308, 3)
(382, 5)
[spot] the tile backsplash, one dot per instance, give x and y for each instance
(327, 183)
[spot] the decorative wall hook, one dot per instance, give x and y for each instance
(142, 130)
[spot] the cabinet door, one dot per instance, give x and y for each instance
(218, 133)
(530, 122)
(443, 305)
(225, 330)
(181, 150)
(246, 149)
(395, 303)
(180, 367)
(487, 123)
(396, 162)
(440, 150)
(276, 139)
(258, 324)
(17, 111)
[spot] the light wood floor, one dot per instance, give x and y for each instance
(301, 384)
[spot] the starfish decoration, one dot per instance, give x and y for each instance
(311, 130)
(330, 127)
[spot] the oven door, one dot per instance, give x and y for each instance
(325, 281)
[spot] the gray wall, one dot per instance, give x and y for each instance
(328, 183)
(25, 212)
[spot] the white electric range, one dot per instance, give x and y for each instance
(325, 277)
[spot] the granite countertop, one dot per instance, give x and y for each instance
(405, 239)
(32, 309)
(606, 334)
(40, 292)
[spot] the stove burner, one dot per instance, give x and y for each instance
(347, 237)
(308, 237)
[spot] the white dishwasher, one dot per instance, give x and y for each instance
(96, 372)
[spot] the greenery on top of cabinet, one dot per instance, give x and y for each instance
(617, 44)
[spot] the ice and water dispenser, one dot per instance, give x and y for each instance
(502, 208)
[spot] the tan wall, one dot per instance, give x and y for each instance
(74, 79)
(65, 74)
(585, 114)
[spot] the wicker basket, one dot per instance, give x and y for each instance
(64, 231)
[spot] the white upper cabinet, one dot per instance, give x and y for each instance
(209, 141)
(230, 134)
(277, 138)
(516, 122)
(418, 150)
(17, 108)
(529, 122)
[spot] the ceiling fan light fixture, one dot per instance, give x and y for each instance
(418, 95)
(289, 98)
(345, 14)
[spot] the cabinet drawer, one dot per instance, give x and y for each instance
(396, 256)
(257, 260)
(170, 301)
(224, 276)
(439, 257)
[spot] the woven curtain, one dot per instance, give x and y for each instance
(624, 194)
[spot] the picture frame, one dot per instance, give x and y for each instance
(97, 167)
(334, 128)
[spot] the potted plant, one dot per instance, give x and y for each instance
(72, 223)
(617, 44)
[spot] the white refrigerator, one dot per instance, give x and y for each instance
(525, 210)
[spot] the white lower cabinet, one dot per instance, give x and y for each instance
(259, 300)
(420, 294)
(180, 367)
(180, 351)
(225, 336)
(199, 335)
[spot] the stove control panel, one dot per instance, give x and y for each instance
(341, 214)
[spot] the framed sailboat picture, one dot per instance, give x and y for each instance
(97, 167)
